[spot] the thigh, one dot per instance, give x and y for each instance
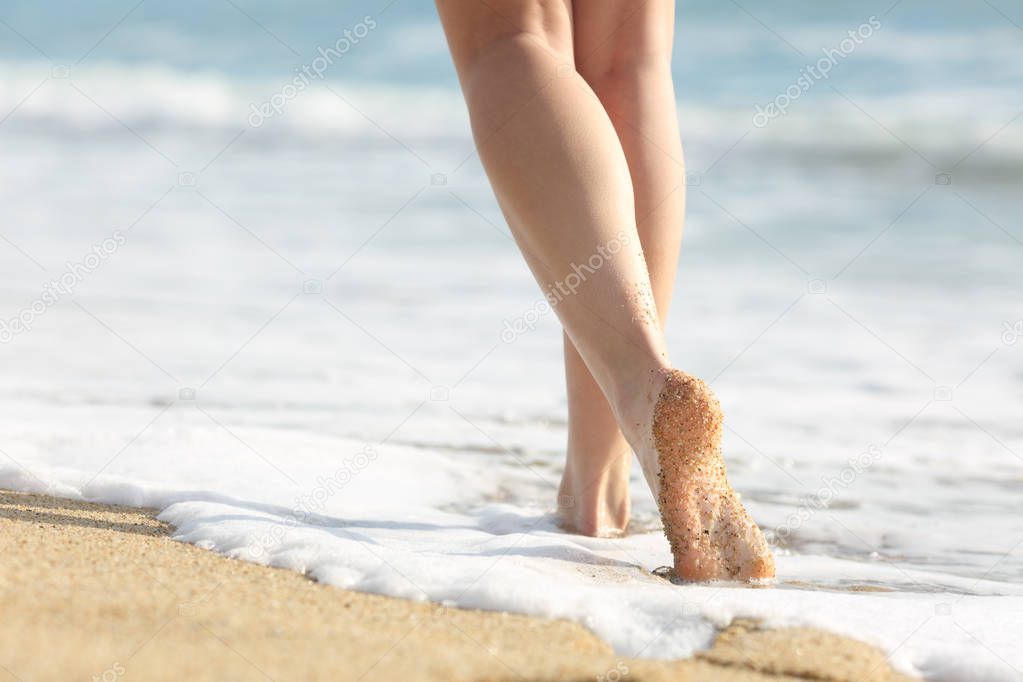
(616, 36)
(472, 26)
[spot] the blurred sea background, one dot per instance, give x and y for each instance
(294, 274)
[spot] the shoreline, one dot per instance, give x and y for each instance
(100, 591)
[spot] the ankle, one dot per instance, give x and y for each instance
(634, 403)
(596, 520)
(596, 506)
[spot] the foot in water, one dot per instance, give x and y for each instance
(595, 503)
(712, 536)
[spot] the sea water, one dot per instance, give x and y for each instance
(307, 337)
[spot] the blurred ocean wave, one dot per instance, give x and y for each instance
(836, 131)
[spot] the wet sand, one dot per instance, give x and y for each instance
(102, 592)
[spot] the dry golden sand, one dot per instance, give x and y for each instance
(101, 592)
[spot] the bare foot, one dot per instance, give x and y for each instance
(711, 534)
(593, 498)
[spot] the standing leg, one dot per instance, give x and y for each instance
(564, 185)
(623, 51)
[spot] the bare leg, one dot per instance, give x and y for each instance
(560, 176)
(564, 185)
(623, 50)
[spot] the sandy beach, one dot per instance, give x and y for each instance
(102, 592)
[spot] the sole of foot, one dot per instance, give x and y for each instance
(711, 534)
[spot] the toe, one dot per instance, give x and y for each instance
(697, 566)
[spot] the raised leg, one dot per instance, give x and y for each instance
(561, 178)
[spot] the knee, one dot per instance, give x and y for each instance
(626, 66)
(507, 59)
(508, 29)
